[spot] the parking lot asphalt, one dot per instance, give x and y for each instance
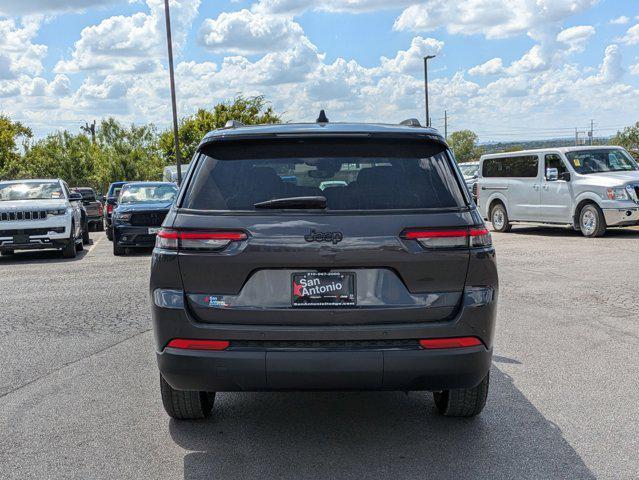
(79, 395)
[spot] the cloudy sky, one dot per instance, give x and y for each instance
(508, 69)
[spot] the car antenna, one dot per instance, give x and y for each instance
(322, 117)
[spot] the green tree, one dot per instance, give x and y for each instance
(10, 134)
(247, 110)
(464, 145)
(628, 139)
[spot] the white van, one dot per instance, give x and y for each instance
(590, 188)
(170, 172)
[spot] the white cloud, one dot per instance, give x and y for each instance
(492, 18)
(622, 20)
(493, 66)
(130, 44)
(576, 38)
(246, 33)
(412, 60)
(634, 69)
(632, 36)
(22, 7)
(20, 54)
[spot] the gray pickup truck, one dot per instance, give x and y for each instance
(93, 208)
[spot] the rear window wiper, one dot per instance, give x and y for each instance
(293, 202)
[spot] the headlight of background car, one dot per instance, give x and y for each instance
(617, 194)
(123, 217)
(58, 211)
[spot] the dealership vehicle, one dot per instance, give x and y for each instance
(470, 171)
(141, 209)
(40, 214)
(110, 202)
(590, 188)
(93, 207)
(170, 172)
(386, 283)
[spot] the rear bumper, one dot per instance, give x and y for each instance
(273, 370)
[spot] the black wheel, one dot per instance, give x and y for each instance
(463, 402)
(499, 218)
(69, 250)
(86, 239)
(99, 227)
(6, 253)
(185, 405)
(118, 251)
(591, 221)
(109, 234)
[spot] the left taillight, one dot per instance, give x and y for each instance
(169, 239)
(477, 236)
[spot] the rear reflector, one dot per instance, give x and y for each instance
(186, 344)
(459, 342)
(450, 238)
(191, 240)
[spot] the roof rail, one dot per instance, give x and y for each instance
(233, 124)
(411, 122)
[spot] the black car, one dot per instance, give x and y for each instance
(142, 207)
(384, 280)
(110, 203)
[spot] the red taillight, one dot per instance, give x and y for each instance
(100, 210)
(186, 344)
(109, 209)
(459, 342)
(192, 240)
(450, 238)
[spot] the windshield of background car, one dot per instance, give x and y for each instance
(468, 170)
(30, 191)
(147, 193)
(604, 160)
(350, 174)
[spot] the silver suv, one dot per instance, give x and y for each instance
(590, 188)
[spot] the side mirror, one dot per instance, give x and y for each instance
(552, 174)
(75, 197)
(565, 176)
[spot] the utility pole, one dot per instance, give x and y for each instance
(169, 41)
(426, 58)
(445, 124)
(576, 137)
(591, 133)
(89, 129)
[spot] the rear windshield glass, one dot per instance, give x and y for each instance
(350, 177)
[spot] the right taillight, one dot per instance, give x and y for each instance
(197, 240)
(450, 238)
(109, 209)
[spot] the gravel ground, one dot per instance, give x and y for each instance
(79, 394)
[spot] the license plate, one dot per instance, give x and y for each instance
(20, 239)
(154, 230)
(323, 289)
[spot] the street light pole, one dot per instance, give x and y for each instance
(169, 41)
(426, 58)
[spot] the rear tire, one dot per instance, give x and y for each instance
(109, 234)
(499, 218)
(186, 405)
(99, 227)
(591, 221)
(86, 239)
(462, 402)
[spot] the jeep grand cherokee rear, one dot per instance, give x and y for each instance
(382, 279)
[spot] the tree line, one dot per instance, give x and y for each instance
(118, 151)
(140, 152)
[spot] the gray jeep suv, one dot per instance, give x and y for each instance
(384, 279)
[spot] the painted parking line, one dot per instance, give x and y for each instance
(95, 244)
